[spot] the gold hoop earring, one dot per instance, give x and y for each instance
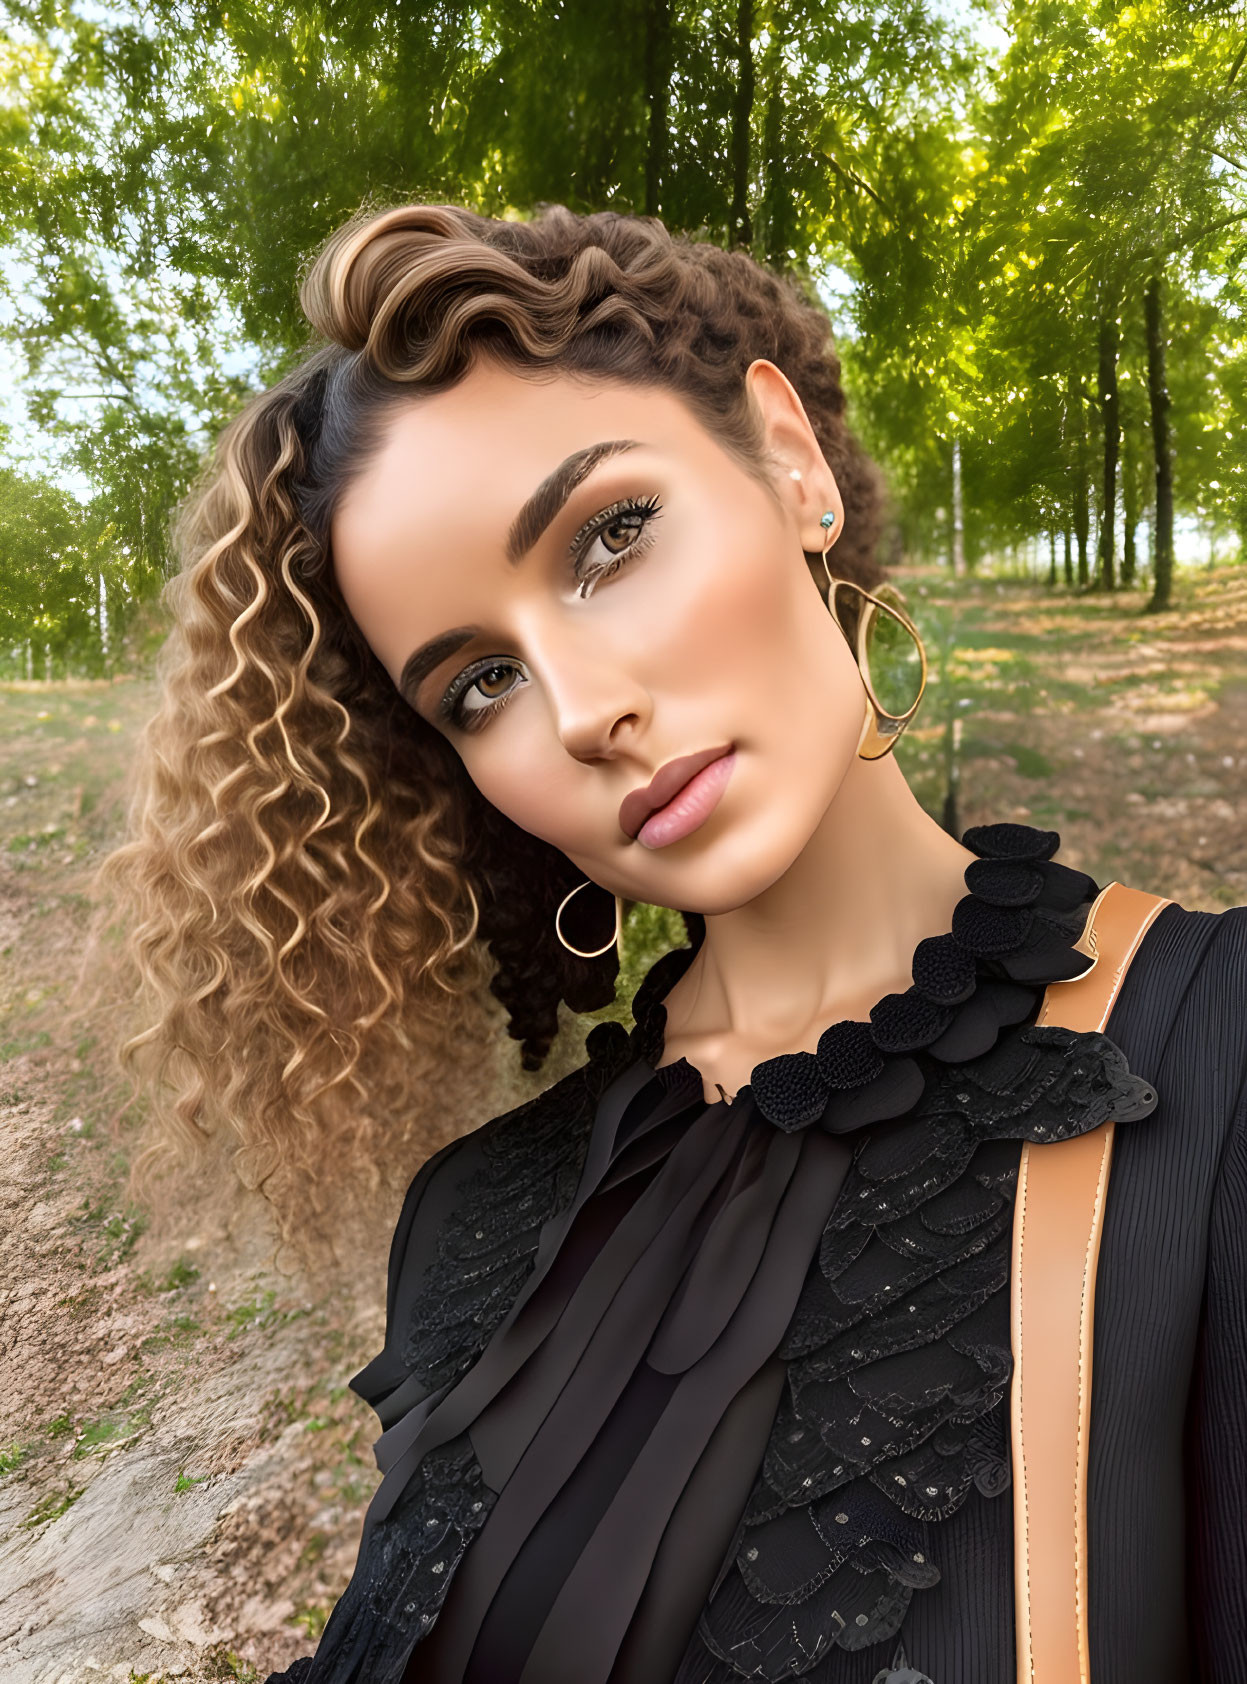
(598, 951)
(881, 730)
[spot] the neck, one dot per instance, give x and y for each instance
(838, 929)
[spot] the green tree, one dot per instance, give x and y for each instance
(52, 552)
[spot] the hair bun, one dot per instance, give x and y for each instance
(400, 286)
(366, 261)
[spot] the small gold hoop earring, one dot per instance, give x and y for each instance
(597, 951)
(881, 730)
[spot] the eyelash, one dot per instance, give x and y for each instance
(648, 509)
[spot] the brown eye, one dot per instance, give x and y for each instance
(624, 529)
(498, 674)
(476, 695)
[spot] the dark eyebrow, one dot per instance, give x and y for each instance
(544, 504)
(536, 515)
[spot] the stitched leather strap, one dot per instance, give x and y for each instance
(1057, 1221)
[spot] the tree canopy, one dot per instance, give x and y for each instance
(1040, 209)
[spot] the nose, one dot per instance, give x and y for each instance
(595, 700)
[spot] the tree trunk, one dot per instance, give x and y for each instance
(742, 112)
(1158, 399)
(778, 211)
(1130, 508)
(657, 93)
(1076, 425)
(959, 521)
(1052, 561)
(1069, 559)
(103, 615)
(1110, 415)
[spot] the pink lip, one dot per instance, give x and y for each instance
(666, 783)
(691, 806)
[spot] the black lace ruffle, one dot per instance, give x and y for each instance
(899, 1352)
(405, 1566)
(899, 1358)
(531, 1160)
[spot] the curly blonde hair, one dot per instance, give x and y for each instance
(311, 886)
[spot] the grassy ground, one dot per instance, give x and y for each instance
(1125, 732)
(182, 1468)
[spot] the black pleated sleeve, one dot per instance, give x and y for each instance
(1217, 1431)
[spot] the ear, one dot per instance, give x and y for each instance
(804, 483)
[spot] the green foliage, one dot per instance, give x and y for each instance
(180, 1273)
(998, 190)
(12, 1456)
(109, 1430)
(312, 1618)
(226, 1665)
(1104, 147)
(260, 1312)
(50, 559)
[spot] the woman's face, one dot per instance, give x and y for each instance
(600, 588)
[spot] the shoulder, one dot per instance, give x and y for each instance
(469, 1227)
(1182, 943)
(1180, 1019)
(1188, 958)
(509, 1167)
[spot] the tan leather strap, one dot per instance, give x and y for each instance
(1057, 1222)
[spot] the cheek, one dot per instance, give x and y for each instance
(749, 627)
(710, 617)
(528, 775)
(736, 616)
(796, 694)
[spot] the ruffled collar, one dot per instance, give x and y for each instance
(1012, 934)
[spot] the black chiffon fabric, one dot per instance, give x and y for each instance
(682, 1393)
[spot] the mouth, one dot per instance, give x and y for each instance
(680, 796)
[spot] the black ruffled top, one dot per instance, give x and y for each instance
(687, 1387)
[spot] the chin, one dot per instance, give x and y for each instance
(742, 863)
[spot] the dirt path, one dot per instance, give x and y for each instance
(182, 1467)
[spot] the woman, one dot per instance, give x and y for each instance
(697, 1365)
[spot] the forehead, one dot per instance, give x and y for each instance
(477, 450)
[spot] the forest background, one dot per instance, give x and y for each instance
(1029, 226)
(1029, 222)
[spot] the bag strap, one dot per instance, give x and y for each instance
(1057, 1221)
